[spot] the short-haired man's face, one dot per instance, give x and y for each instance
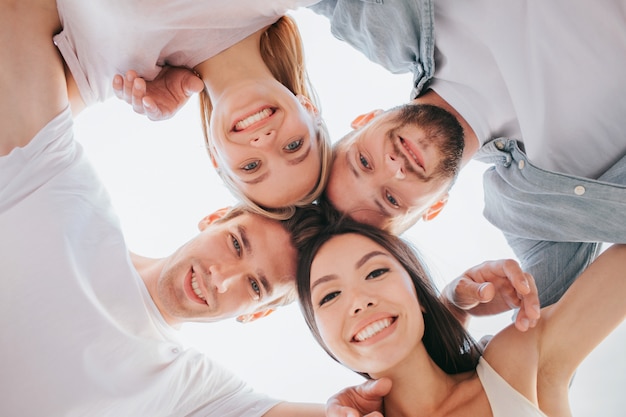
(390, 167)
(236, 267)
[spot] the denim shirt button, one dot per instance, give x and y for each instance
(499, 144)
(579, 190)
(521, 164)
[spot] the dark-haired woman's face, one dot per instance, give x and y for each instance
(365, 305)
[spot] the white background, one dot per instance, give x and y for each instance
(162, 184)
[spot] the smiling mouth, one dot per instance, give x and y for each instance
(253, 118)
(373, 329)
(412, 154)
(196, 288)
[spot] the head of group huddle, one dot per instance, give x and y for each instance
(271, 146)
(369, 302)
(396, 166)
(241, 265)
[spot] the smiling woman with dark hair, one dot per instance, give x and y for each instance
(369, 302)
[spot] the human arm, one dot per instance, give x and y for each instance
(160, 98)
(589, 311)
(31, 75)
(491, 288)
(361, 400)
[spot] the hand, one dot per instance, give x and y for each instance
(362, 400)
(160, 98)
(494, 287)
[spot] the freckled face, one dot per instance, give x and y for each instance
(265, 138)
(365, 305)
(240, 266)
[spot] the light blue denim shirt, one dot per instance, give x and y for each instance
(553, 222)
(397, 34)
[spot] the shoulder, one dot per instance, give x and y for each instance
(515, 356)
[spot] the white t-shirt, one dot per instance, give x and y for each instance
(551, 73)
(80, 333)
(104, 38)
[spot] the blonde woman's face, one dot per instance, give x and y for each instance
(265, 138)
(365, 305)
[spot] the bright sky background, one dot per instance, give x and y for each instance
(162, 184)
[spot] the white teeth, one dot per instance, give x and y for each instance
(411, 153)
(372, 329)
(250, 120)
(196, 287)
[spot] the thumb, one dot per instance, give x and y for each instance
(376, 387)
(192, 84)
(465, 293)
(485, 292)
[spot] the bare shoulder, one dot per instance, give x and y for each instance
(515, 355)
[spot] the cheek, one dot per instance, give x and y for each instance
(329, 329)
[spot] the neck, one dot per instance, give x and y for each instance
(149, 269)
(242, 61)
(471, 141)
(420, 388)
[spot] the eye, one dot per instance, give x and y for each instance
(377, 273)
(236, 244)
(364, 162)
(328, 297)
(294, 146)
(255, 287)
(250, 166)
(392, 200)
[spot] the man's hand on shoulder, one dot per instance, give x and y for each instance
(365, 400)
(160, 98)
(494, 287)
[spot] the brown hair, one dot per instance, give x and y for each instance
(447, 342)
(282, 52)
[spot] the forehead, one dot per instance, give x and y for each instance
(270, 246)
(347, 250)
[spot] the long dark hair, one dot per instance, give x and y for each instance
(447, 342)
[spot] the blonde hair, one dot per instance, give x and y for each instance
(282, 51)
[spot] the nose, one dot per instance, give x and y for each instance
(263, 139)
(222, 280)
(362, 302)
(395, 166)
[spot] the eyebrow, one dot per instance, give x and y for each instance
(294, 161)
(247, 246)
(357, 265)
(244, 239)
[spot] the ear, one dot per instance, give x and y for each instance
(308, 104)
(364, 119)
(247, 318)
(434, 210)
(206, 221)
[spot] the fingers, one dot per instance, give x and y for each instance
(518, 278)
(375, 388)
(131, 89)
(118, 86)
(192, 84)
(151, 109)
(339, 411)
(530, 310)
(466, 293)
(138, 92)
